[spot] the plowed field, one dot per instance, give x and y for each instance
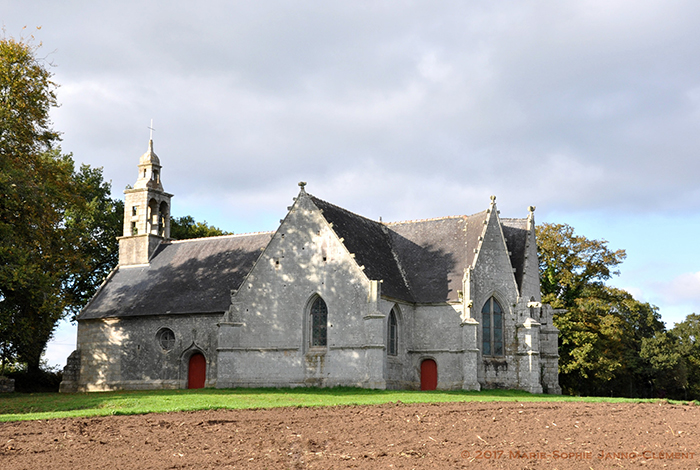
(454, 435)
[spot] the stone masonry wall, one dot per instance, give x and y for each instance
(265, 339)
(127, 354)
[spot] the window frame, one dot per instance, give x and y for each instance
(489, 344)
(320, 329)
(166, 339)
(392, 339)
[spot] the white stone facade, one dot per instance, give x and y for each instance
(310, 304)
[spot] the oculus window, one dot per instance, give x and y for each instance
(166, 339)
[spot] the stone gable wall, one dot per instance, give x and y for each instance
(264, 340)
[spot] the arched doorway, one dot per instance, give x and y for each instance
(428, 375)
(197, 371)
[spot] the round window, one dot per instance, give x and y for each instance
(166, 339)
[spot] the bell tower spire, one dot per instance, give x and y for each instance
(146, 212)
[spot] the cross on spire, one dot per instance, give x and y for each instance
(152, 129)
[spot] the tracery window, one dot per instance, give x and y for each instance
(392, 334)
(319, 323)
(492, 328)
(166, 339)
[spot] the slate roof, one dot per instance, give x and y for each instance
(183, 277)
(515, 232)
(419, 261)
(369, 241)
(434, 253)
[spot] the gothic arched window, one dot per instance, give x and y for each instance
(319, 323)
(492, 328)
(392, 334)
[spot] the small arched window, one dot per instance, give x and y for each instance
(319, 323)
(152, 217)
(492, 328)
(162, 217)
(392, 334)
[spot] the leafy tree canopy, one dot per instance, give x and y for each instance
(571, 265)
(602, 329)
(183, 228)
(55, 222)
(687, 334)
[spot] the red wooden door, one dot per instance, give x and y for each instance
(197, 372)
(428, 375)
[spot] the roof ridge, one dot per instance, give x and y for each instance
(345, 210)
(411, 221)
(232, 235)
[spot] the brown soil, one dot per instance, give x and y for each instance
(453, 435)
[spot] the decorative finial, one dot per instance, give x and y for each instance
(302, 184)
(531, 209)
(493, 199)
(152, 129)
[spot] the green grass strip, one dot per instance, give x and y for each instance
(40, 406)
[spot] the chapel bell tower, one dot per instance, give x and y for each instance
(146, 213)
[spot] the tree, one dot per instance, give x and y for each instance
(33, 192)
(668, 371)
(53, 221)
(26, 96)
(572, 265)
(182, 228)
(94, 226)
(687, 334)
(602, 330)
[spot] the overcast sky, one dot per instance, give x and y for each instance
(589, 110)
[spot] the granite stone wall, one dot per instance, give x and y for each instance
(265, 338)
(131, 353)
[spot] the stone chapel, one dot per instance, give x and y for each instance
(330, 298)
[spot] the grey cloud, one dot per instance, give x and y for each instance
(570, 104)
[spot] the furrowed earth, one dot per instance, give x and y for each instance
(517, 435)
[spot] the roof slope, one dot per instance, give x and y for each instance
(515, 231)
(420, 261)
(435, 252)
(433, 255)
(369, 241)
(190, 276)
